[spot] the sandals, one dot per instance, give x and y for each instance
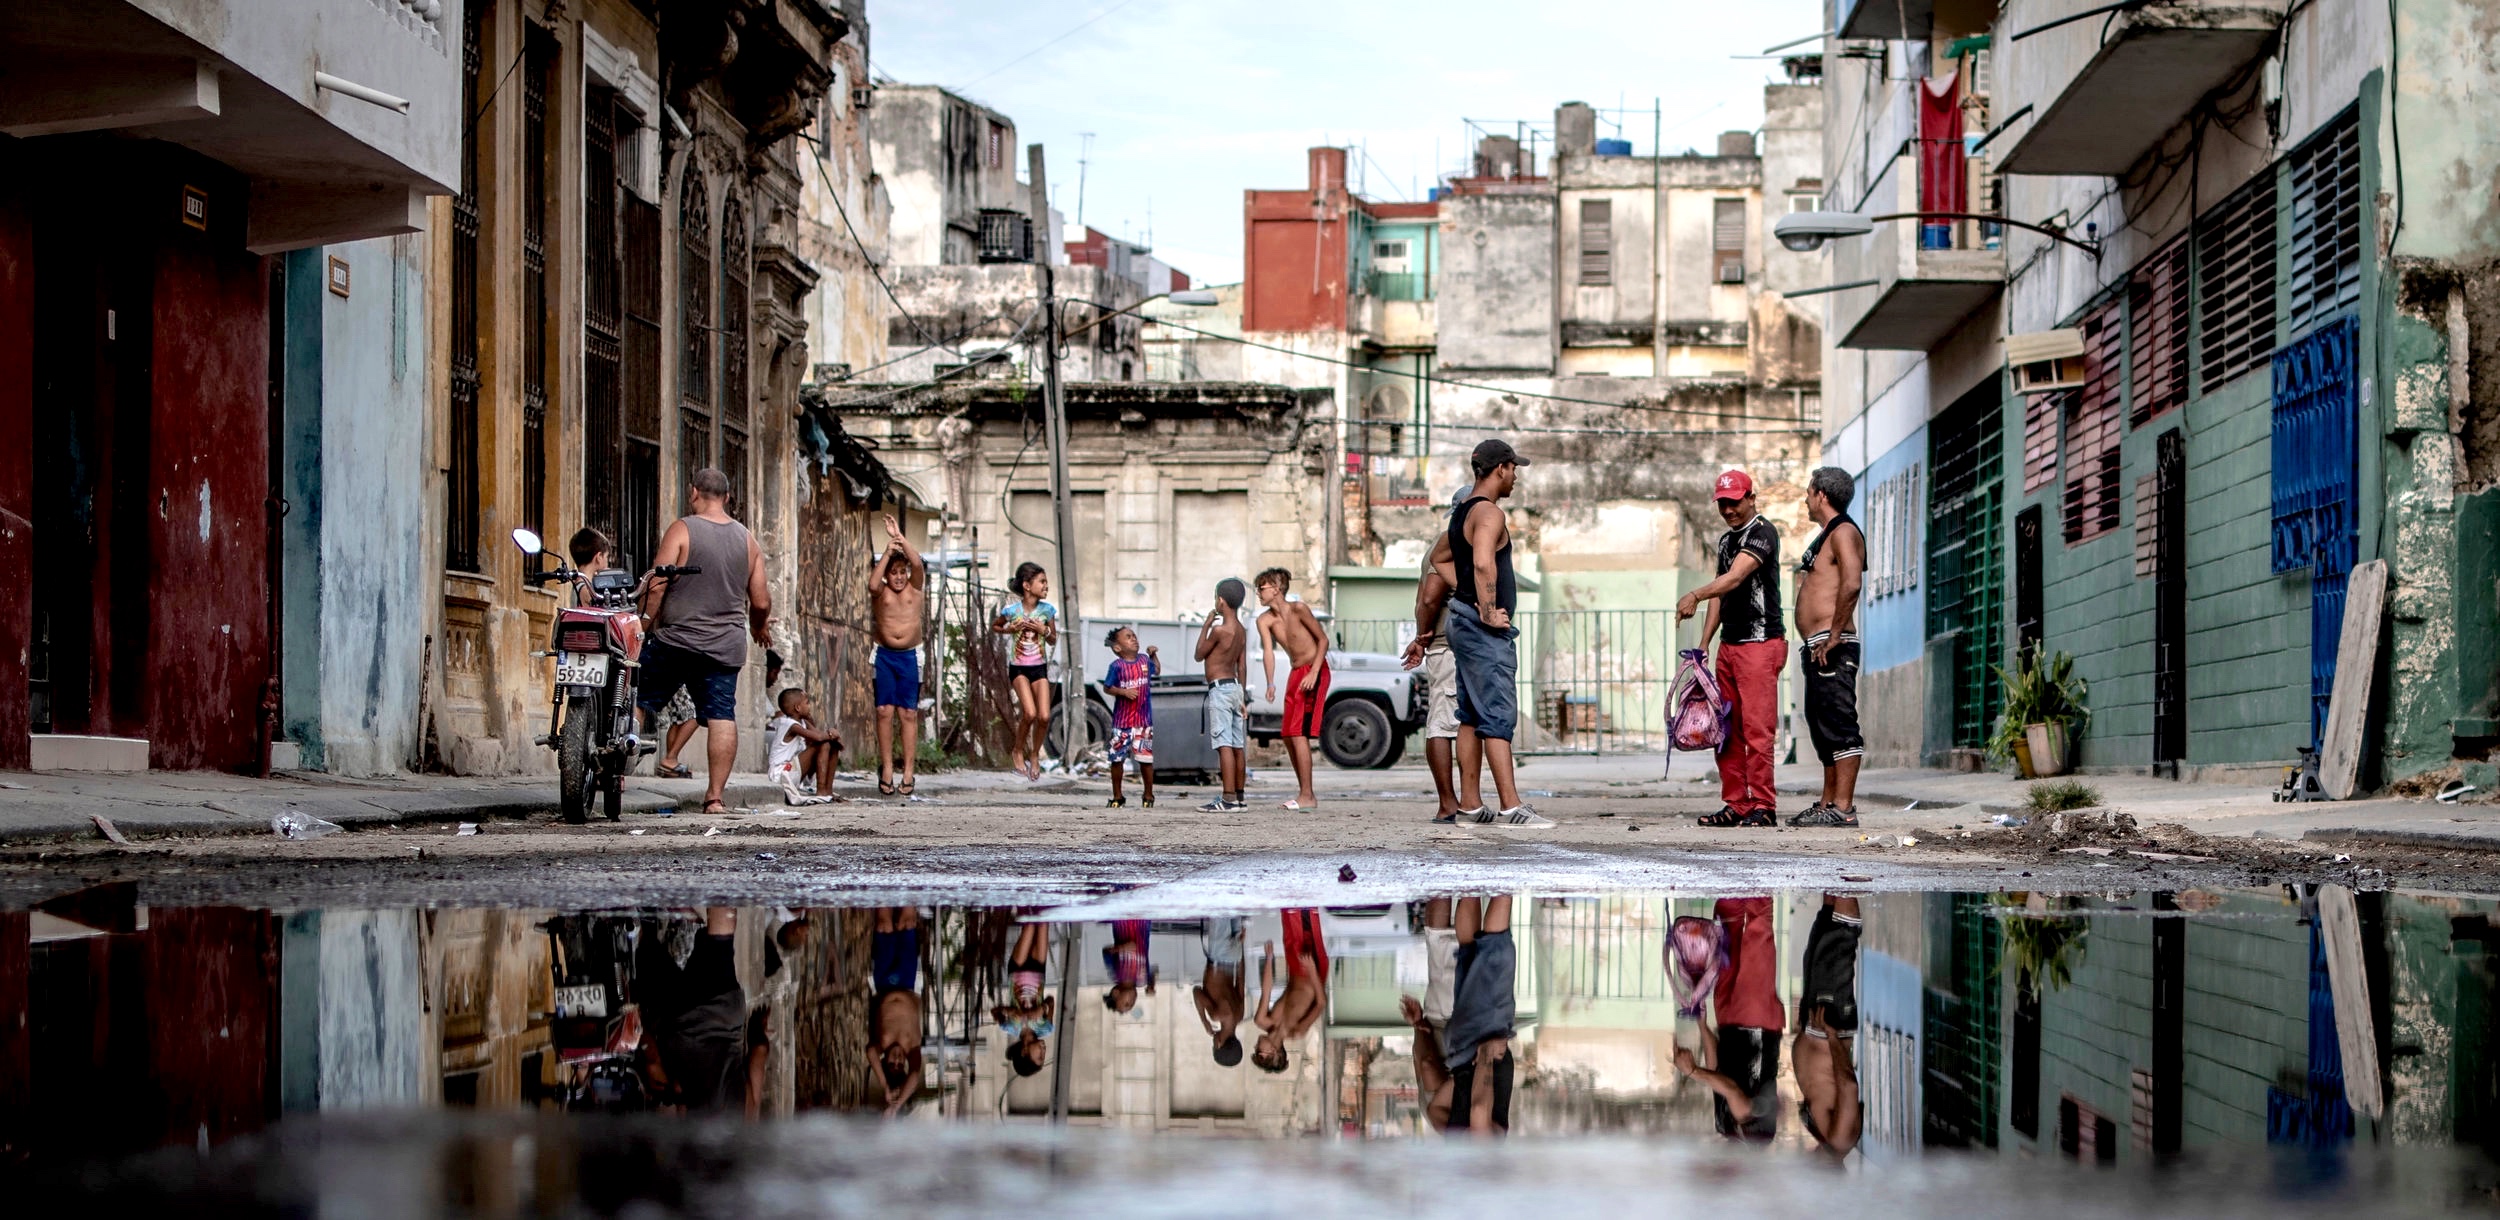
(664, 771)
(714, 808)
(903, 788)
(1727, 818)
(885, 787)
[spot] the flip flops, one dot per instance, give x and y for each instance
(681, 771)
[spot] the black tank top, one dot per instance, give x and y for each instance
(1463, 555)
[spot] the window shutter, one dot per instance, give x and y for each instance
(2092, 431)
(2326, 225)
(1727, 240)
(1597, 242)
(2235, 282)
(2157, 301)
(2040, 439)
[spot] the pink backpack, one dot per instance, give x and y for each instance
(1696, 711)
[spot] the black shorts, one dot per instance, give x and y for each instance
(667, 669)
(1831, 975)
(1751, 1058)
(1037, 674)
(1832, 700)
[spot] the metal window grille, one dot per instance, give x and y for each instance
(603, 348)
(537, 75)
(1962, 1020)
(461, 526)
(694, 291)
(1893, 542)
(638, 530)
(1966, 558)
(2326, 224)
(2040, 413)
(735, 308)
(1727, 240)
(1006, 236)
(2157, 343)
(2092, 431)
(2235, 282)
(996, 153)
(1597, 242)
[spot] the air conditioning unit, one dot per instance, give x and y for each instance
(1732, 271)
(862, 96)
(2046, 360)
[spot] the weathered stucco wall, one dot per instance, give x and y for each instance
(1497, 291)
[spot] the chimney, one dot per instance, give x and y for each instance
(1736, 144)
(1575, 130)
(1497, 157)
(1327, 172)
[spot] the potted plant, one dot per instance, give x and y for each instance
(2044, 712)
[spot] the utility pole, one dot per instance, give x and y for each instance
(1062, 503)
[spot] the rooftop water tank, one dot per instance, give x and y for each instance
(1614, 148)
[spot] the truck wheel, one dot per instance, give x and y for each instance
(1356, 734)
(1397, 749)
(1097, 729)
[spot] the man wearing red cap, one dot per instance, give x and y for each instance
(1753, 648)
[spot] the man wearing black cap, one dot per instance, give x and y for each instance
(1483, 640)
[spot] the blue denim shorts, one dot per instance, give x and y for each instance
(1488, 673)
(1227, 716)
(667, 669)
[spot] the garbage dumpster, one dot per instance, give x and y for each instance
(1182, 753)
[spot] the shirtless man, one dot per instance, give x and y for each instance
(1222, 645)
(899, 598)
(1828, 580)
(1290, 626)
(1431, 649)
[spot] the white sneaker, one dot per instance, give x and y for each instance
(1214, 806)
(1523, 816)
(1479, 814)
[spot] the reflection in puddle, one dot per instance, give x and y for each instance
(2097, 1029)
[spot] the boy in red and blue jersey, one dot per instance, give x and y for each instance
(1129, 683)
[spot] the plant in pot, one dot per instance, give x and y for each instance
(2044, 713)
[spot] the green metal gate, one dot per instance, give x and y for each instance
(1966, 557)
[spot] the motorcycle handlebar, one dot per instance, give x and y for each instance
(664, 571)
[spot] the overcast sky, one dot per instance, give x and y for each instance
(1191, 102)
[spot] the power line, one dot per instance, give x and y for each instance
(1071, 32)
(818, 155)
(1464, 385)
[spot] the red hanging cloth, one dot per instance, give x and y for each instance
(1943, 183)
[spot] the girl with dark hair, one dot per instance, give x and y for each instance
(1035, 625)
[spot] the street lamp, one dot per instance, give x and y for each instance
(1063, 504)
(1805, 232)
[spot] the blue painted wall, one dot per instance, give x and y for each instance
(355, 483)
(1893, 628)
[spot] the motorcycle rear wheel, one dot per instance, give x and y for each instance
(573, 765)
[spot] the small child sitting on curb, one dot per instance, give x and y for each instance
(799, 750)
(1128, 682)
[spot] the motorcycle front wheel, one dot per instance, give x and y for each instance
(573, 765)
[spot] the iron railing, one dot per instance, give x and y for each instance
(1590, 681)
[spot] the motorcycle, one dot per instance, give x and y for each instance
(598, 654)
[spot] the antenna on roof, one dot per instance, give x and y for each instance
(1085, 151)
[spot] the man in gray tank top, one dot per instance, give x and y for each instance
(700, 624)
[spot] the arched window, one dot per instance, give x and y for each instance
(694, 311)
(734, 310)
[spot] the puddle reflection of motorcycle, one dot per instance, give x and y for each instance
(598, 652)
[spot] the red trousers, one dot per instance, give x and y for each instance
(1749, 675)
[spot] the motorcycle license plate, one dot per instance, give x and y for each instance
(581, 669)
(582, 1000)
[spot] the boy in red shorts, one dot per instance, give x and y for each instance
(1290, 626)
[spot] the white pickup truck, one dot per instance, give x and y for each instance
(1374, 703)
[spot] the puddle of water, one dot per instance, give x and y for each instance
(2213, 1051)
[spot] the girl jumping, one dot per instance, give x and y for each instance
(1035, 625)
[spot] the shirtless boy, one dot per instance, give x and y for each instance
(1291, 1013)
(899, 600)
(1829, 577)
(1289, 625)
(1222, 644)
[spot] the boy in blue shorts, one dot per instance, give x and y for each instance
(1129, 683)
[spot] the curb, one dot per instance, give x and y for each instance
(249, 813)
(2404, 838)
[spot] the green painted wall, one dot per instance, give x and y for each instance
(2245, 1017)
(2248, 629)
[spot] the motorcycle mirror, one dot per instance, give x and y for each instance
(528, 541)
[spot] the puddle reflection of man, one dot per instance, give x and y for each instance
(1827, 1026)
(695, 1015)
(1218, 995)
(1474, 1046)
(894, 1012)
(1740, 1065)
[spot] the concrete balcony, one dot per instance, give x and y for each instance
(2101, 101)
(1917, 296)
(344, 115)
